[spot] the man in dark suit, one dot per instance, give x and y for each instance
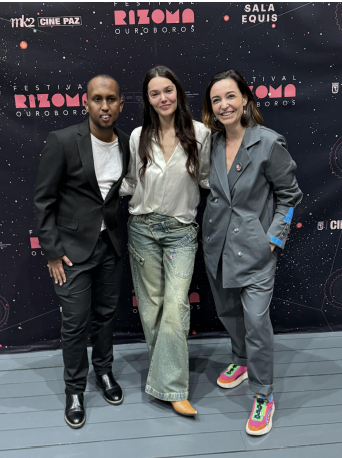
(76, 203)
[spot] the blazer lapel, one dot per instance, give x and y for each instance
(241, 161)
(220, 164)
(86, 154)
(243, 158)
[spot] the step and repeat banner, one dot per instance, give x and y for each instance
(290, 54)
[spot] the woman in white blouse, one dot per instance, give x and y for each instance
(169, 158)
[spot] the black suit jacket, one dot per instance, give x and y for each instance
(68, 203)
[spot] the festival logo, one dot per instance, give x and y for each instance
(274, 91)
(50, 100)
(164, 19)
(335, 158)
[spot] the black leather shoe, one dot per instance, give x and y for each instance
(112, 391)
(74, 411)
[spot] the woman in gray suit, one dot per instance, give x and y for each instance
(253, 191)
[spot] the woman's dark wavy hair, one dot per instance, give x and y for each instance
(252, 116)
(183, 124)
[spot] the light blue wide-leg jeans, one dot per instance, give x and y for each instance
(162, 254)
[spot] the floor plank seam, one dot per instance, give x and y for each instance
(191, 383)
(201, 342)
(223, 393)
(191, 356)
(215, 365)
(168, 416)
(243, 440)
(250, 450)
(214, 454)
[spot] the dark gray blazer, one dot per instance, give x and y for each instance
(256, 207)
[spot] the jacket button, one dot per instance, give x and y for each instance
(216, 200)
(239, 254)
(208, 238)
(236, 229)
(210, 221)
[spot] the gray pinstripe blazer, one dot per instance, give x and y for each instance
(256, 207)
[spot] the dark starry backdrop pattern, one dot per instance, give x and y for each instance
(303, 46)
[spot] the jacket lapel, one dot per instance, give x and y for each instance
(86, 154)
(219, 161)
(241, 161)
(243, 158)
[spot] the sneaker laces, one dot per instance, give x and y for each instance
(260, 405)
(231, 369)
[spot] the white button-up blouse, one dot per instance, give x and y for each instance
(168, 188)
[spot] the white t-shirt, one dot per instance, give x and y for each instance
(107, 163)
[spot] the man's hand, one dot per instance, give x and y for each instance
(272, 245)
(56, 269)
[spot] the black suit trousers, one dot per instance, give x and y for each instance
(88, 300)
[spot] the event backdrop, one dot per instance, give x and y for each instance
(290, 54)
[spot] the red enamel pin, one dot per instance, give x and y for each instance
(238, 167)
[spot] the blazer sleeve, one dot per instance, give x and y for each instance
(130, 181)
(51, 171)
(280, 171)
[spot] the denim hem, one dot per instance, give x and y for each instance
(265, 390)
(182, 396)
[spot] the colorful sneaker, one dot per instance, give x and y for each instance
(260, 420)
(232, 376)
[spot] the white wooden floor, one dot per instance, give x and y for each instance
(307, 421)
